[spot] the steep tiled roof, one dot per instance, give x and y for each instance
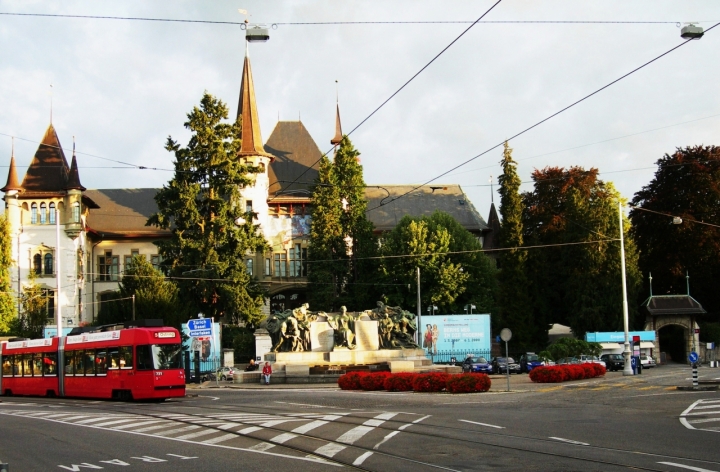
(491, 238)
(12, 181)
(252, 144)
(296, 157)
(124, 212)
(421, 202)
(48, 171)
(74, 176)
(337, 139)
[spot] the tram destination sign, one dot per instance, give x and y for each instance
(200, 327)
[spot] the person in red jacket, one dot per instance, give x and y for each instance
(266, 372)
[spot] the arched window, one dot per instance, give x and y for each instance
(43, 213)
(33, 213)
(52, 214)
(76, 212)
(37, 263)
(48, 264)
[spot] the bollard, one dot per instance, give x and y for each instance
(695, 376)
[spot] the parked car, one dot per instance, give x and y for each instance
(479, 364)
(647, 361)
(501, 365)
(529, 361)
(567, 360)
(225, 373)
(591, 360)
(613, 362)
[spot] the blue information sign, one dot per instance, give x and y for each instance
(693, 357)
(200, 327)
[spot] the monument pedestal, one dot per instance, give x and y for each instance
(349, 357)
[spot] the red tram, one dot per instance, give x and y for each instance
(141, 363)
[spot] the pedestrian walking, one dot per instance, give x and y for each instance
(266, 372)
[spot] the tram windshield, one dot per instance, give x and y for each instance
(166, 356)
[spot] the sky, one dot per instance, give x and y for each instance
(121, 87)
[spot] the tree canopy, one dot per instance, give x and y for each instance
(8, 305)
(686, 185)
(200, 205)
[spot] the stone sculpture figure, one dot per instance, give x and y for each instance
(385, 328)
(343, 324)
(303, 321)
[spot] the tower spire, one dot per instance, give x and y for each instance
(247, 110)
(74, 174)
(338, 128)
(12, 180)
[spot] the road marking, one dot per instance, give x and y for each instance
(270, 424)
(249, 430)
(310, 405)
(109, 423)
(197, 435)
(484, 424)
(309, 427)
(696, 469)
(152, 428)
(570, 441)
(329, 449)
(354, 434)
(376, 446)
(362, 458)
(219, 439)
(283, 438)
(263, 446)
(143, 423)
(176, 430)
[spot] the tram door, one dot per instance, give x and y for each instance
(144, 375)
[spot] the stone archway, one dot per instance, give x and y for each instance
(687, 323)
(678, 310)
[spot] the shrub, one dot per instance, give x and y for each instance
(599, 370)
(433, 382)
(373, 381)
(400, 382)
(561, 373)
(350, 381)
(547, 374)
(468, 383)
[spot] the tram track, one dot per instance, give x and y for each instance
(493, 439)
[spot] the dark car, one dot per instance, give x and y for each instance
(479, 364)
(529, 361)
(613, 362)
(501, 364)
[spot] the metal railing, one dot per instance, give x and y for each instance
(456, 356)
(197, 368)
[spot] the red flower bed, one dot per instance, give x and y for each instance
(468, 383)
(374, 380)
(400, 382)
(561, 373)
(350, 381)
(433, 382)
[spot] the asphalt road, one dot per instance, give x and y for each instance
(612, 423)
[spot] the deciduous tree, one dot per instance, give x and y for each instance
(8, 306)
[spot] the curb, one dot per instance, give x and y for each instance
(698, 388)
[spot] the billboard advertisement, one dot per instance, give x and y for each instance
(467, 333)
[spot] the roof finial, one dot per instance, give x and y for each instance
(650, 277)
(51, 102)
(492, 193)
(687, 281)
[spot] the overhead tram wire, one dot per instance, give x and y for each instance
(398, 90)
(543, 120)
(331, 23)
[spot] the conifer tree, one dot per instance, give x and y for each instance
(200, 205)
(515, 310)
(8, 307)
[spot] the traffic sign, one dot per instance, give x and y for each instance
(200, 327)
(693, 357)
(506, 334)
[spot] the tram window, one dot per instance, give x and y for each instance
(50, 363)
(101, 362)
(17, 365)
(27, 365)
(126, 357)
(37, 364)
(7, 367)
(114, 354)
(89, 362)
(144, 358)
(69, 362)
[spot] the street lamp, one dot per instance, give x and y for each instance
(627, 370)
(471, 306)
(433, 308)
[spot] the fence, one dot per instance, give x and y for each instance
(456, 357)
(197, 367)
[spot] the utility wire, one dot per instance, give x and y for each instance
(545, 119)
(402, 87)
(673, 216)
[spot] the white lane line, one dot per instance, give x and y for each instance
(309, 427)
(483, 424)
(219, 439)
(705, 407)
(570, 441)
(377, 446)
(283, 438)
(687, 411)
(260, 447)
(152, 428)
(362, 458)
(249, 430)
(143, 423)
(688, 467)
(329, 449)
(176, 430)
(197, 435)
(705, 420)
(310, 405)
(401, 428)
(421, 419)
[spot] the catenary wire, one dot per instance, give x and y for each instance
(544, 119)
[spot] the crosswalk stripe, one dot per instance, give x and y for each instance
(354, 434)
(263, 446)
(152, 428)
(130, 425)
(197, 434)
(270, 424)
(176, 430)
(219, 439)
(249, 430)
(284, 437)
(329, 449)
(309, 426)
(109, 423)
(362, 458)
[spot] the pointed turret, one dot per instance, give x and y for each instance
(338, 129)
(252, 144)
(48, 171)
(74, 175)
(12, 184)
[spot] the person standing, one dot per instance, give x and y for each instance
(266, 372)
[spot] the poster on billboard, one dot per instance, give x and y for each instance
(203, 336)
(468, 333)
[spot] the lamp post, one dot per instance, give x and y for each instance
(627, 370)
